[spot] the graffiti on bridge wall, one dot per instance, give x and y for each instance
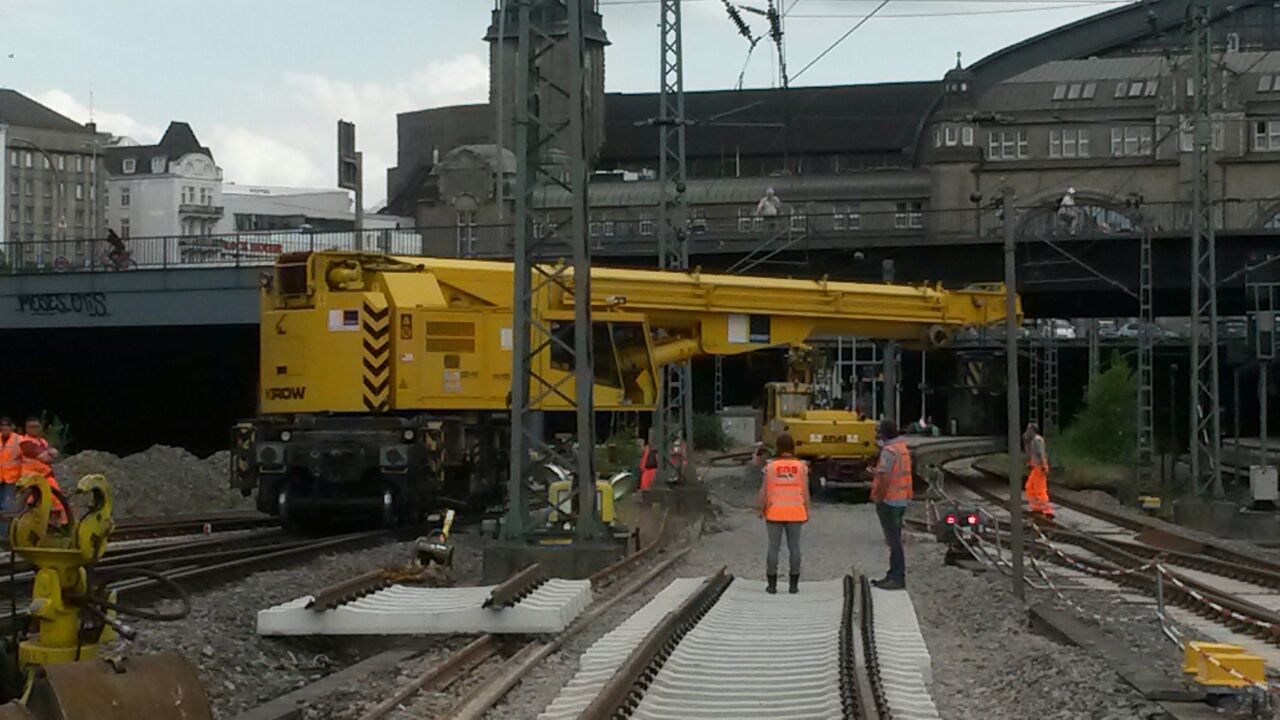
(91, 304)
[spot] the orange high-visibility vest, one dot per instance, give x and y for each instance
(10, 458)
(34, 465)
(896, 481)
(785, 483)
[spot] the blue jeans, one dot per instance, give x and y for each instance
(6, 502)
(891, 524)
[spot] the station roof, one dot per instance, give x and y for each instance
(21, 111)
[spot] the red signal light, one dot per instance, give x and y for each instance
(950, 519)
(973, 518)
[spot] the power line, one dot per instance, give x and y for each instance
(841, 39)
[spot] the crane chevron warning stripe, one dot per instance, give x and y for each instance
(376, 328)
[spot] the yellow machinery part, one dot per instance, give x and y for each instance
(65, 680)
(563, 493)
(60, 558)
(1250, 669)
(162, 686)
(1192, 652)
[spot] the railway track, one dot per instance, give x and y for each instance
(1191, 580)
(718, 647)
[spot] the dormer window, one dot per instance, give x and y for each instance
(157, 165)
(129, 166)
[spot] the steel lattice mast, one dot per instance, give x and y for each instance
(538, 132)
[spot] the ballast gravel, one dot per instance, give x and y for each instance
(241, 670)
(160, 480)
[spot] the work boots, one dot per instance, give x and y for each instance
(772, 587)
(795, 585)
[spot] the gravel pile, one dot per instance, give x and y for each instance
(161, 480)
(241, 670)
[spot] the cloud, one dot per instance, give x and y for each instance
(283, 132)
(116, 123)
(249, 157)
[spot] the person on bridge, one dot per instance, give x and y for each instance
(784, 505)
(10, 466)
(117, 254)
(37, 459)
(1037, 487)
(891, 491)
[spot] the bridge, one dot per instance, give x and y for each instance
(1088, 268)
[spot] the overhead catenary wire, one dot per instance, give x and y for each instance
(842, 38)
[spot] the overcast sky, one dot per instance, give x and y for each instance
(262, 82)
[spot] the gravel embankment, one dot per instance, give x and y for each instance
(161, 480)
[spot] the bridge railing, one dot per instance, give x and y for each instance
(717, 231)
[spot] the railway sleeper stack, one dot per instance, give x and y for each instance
(414, 610)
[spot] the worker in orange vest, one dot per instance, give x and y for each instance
(10, 466)
(784, 505)
(1037, 486)
(37, 459)
(648, 465)
(891, 491)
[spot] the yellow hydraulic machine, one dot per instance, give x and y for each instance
(385, 380)
(66, 675)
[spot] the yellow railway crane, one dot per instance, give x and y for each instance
(385, 380)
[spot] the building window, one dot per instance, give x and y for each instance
(124, 227)
(26, 158)
(1073, 92)
(80, 164)
(646, 224)
(1122, 89)
(79, 191)
(1135, 89)
(157, 165)
(13, 158)
(966, 136)
(607, 225)
(1131, 141)
(46, 214)
(62, 190)
(846, 217)
(44, 161)
(29, 214)
(466, 233)
(62, 162)
(799, 223)
(124, 197)
(30, 187)
(93, 193)
(1266, 135)
(13, 188)
(48, 188)
(1090, 89)
(951, 135)
(1069, 143)
(129, 166)
(79, 217)
(1153, 86)
(593, 226)
(1059, 92)
(744, 220)
(909, 215)
(698, 220)
(1007, 145)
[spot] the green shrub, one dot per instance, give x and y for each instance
(626, 452)
(708, 433)
(1104, 431)
(57, 432)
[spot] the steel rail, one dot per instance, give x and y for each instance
(621, 692)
